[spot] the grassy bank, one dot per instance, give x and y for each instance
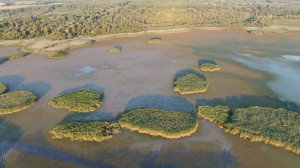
(16, 101)
(3, 88)
(83, 100)
(168, 124)
(85, 131)
(190, 84)
(18, 56)
(278, 127)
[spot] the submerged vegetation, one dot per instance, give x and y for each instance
(16, 101)
(154, 40)
(83, 100)
(278, 127)
(190, 84)
(210, 67)
(2, 88)
(168, 124)
(85, 131)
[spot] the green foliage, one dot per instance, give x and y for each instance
(168, 124)
(154, 40)
(83, 100)
(85, 131)
(189, 84)
(114, 50)
(16, 101)
(210, 67)
(58, 55)
(18, 56)
(278, 127)
(2, 88)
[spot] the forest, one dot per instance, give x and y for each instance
(58, 19)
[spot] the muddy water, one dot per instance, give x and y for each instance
(254, 69)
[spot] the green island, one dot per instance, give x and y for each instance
(190, 84)
(18, 56)
(82, 101)
(154, 40)
(168, 124)
(85, 131)
(278, 127)
(3, 88)
(12, 102)
(58, 55)
(210, 67)
(114, 50)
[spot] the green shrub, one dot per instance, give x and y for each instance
(114, 50)
(278, 127)
(189, 84)
(85, 131)
(209, 67)
(16, 101)
(58, 55)
(168, 124)
(154, 40)
(83, 100)
(18, 56)
(2, 88)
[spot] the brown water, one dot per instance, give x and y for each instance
(142, 76)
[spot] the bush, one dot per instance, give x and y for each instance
(18, 56)
(114, 50)
(16, 101)
(85, 131)
(189, 84)
(83, 100)
(168, 124)
(209, 67)
(2, 88)
(154, 40)
(278, 127)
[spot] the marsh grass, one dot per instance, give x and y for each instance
(115, 50)
(16, 101)
(190, 84)
(168, 124)
(207, 67)
(278, 127)
(58, 55)
(3, 88)
(18, 56)
(85, 131)
(154, 40)
(82, 101)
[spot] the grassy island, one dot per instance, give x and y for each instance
(278, 127)
(83, 100)
(190, 84)
(16, 101)
(58, 55)
(2, 88)
(210, 67)
(115, 50)
(18, 56)
(85, 131)
(168, 124)
(154, 40)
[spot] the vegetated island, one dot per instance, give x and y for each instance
(58, 55)
(168, 124)
(114, 50)
(12, 102)
(82, 101)
(190, 84)
(3, 88)
(85, 131)
(154, 40)
(208, 67)
(278, 127)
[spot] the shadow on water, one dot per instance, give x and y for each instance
(119, 47)
(9, 135)
(167, 103)
(244, 101)
(187, 72)
(84, 117)
(226, 158)
(204, 61)
(15, 83)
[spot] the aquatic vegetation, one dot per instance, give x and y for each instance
(58, 55)
(16, 101)
(18, 56)
(2, 88)
(278, 127)
(210, 67)
(83, 100)
(168, 124)
(85, 131)
(154, 40)
(190, 84)
(114, 50)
